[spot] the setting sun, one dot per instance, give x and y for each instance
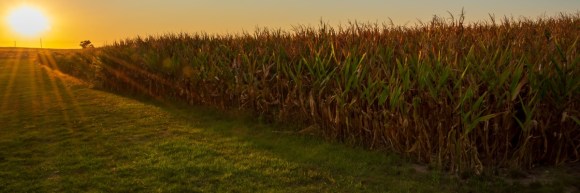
(28, 21)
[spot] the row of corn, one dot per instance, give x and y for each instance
(460, 96)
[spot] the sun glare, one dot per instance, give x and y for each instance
(28, 21)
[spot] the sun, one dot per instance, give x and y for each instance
(28, 21)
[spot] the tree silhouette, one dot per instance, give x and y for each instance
(87, 44)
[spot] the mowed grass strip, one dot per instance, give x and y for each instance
(59, 135)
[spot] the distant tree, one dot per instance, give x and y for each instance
(87, 44)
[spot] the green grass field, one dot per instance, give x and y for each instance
(57, 134)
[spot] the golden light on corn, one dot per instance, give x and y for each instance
(462, 96)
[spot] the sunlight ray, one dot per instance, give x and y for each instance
(14, 64)
(33, 81)
(134, 83)
(56, 93)
(43, 95)
(67, 91)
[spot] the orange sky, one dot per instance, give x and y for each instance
(104, 21)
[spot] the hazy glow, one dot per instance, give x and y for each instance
(28, 21)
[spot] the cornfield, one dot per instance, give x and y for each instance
(460, 96)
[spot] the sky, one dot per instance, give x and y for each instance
(106, 21)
